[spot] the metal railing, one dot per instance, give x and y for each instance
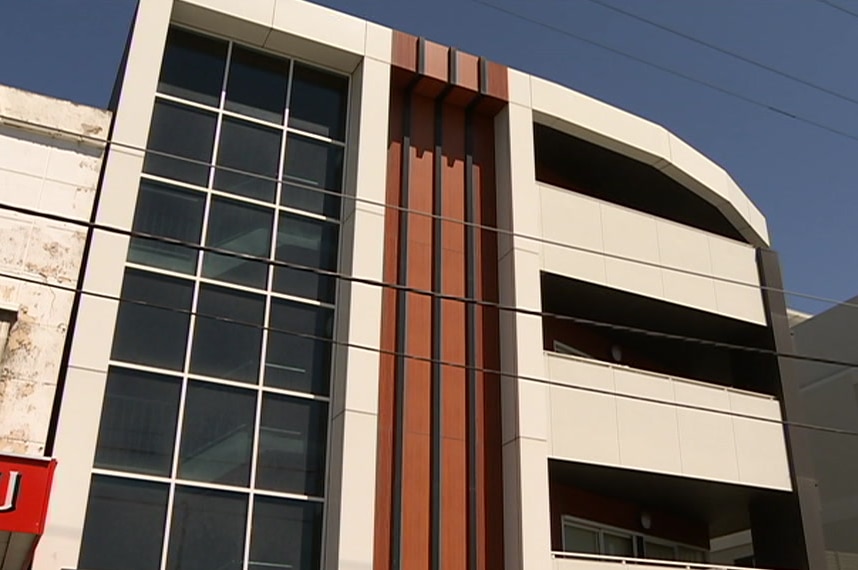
(642, 561)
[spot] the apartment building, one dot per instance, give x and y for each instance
(50, 159)
(354, 299)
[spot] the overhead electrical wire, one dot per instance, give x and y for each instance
(667, 70)
(359, 199)
(495, 372)
(727, 52)
(838, 7)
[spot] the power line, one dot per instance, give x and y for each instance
(838, 7)
(727, 52)
(340, 195)
(489, 371)
(667, 70)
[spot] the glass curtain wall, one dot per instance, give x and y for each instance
(212, 443)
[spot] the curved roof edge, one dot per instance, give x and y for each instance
(587, 118)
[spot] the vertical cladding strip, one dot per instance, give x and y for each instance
(437, 324)
(454, 340)
(807, 550)
(416, 469)
(389, 422)
(489, 425)
(475, 392)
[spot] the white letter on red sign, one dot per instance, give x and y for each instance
(12, 489)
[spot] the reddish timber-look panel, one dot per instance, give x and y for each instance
(387, 364)
(473, 91)
(454, 402)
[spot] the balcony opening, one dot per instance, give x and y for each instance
(604, 324)
(575, 164)
(620, 515)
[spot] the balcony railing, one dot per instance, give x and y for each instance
(675, 379)
(561, 559)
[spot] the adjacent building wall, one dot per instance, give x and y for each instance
(50, 159)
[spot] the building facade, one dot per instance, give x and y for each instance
(50, 159)
(354, 299)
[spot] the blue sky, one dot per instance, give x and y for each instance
(801, 176)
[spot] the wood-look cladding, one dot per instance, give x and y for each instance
(438, 91)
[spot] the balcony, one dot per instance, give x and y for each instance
(617, 415)
(581, 561)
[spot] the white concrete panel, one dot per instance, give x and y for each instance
(733, 260)
(317, 34)
(134, 110)
(707, 445)
(379, 42)
(74, 451)
(74, 164)
(528, 291)
(93, 333)
(518, 207)
(649, 436)
(104, 270)
(755, 405)
(576, 264)
(598, 122)
(535, 524)
(759, 224)
(575, 372)
(571, 218)
(361, 384)
(634, 277)
(761, 453)
(519, 87)
(533, 410)
(356, 502)
(682, 247)
(62, 119)
(584, 426)
(702, 395)
(247, 22)
(629, 234)
(22, 152)
(740, 302)
(67, 200)
(368, 243)
(119, 189)
(690, 168)
(690, 290)
(633, 382)
(512, 527)
(18, 189)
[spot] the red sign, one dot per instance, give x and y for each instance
(25, 485)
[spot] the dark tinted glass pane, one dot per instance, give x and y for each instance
(185, 132)
(217, 434)
(237, 227)
(294, 362)
(193, 67)
(313, 163)
(168, 212)
(228, 349)
(315, 200)
(138, 422)
(124, 525)
(292, 445)
(207, 530)
(150, 335)
(248, 148)
(257, 85)
(309, 243)
(318, 103)
(286, 534)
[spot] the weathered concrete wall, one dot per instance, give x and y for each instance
(50, 158)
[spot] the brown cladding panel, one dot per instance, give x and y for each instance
(435, 60)
(387, 372)
(404, 51)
